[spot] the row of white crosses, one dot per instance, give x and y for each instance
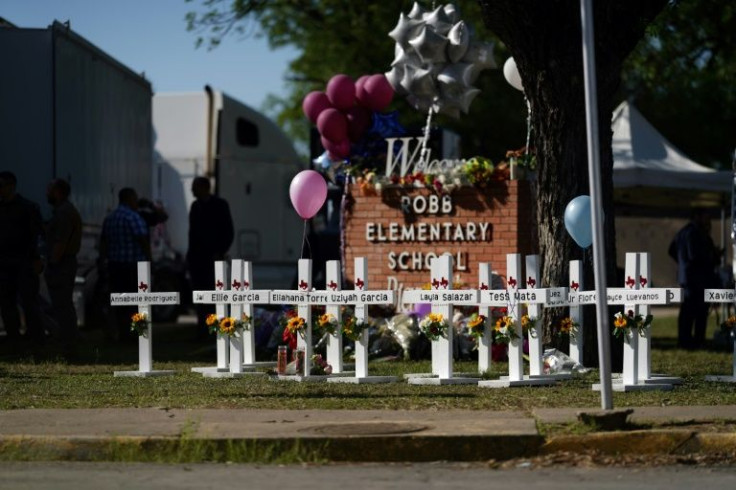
(238, 352)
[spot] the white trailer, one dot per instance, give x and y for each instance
(250, 163)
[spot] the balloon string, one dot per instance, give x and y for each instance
(528, 125)
(425, 153)
(305, 240)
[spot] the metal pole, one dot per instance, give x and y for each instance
(599, 258)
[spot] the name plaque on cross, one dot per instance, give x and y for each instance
(727, 296)
(460, 297)
(120, 299)
(232, 297)
(342, 298)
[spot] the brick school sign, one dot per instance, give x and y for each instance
(401, 230)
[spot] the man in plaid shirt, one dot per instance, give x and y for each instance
(124, 243)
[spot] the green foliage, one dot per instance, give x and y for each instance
(682, 78)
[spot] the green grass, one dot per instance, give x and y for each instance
(42, 380)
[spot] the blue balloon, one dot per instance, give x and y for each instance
(578, 222)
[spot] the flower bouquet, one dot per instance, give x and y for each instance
(434, 326)
(476, 325)
(527, 325)
(139, 324)
(353, 328)
(320, 367)
(624, 323)
(328, 323)
(567, 328)
(504, 331)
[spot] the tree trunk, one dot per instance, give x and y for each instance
(545, 39)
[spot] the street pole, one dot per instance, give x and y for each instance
(596, 204)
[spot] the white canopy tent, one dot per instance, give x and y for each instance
(649, 171)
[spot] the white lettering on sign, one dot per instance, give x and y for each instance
(117, 299)
(432, 204)
(720, 296)
(410, 163)
(446, 231)
(421, 261)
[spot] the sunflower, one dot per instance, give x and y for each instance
(228, 325)
(295, 324)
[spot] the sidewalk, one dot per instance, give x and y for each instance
(342, 435)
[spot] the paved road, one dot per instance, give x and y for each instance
(96, 476)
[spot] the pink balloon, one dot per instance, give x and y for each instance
(341, 92)
(314, 103)
(359, 120)
(308, 191)
(332, 125)
(340, 149)
(377, 93)
(360, 88)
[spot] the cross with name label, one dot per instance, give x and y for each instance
(144, 299)
(240, 299)
(442, 298)
(635, 294)
(727, 296)
(360, 298)
(222, 342)
(512, 298)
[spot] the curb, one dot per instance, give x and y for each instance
(412, 448)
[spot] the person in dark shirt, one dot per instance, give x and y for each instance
(124, 242)
(20, 261)
(696, 258)
(210, 236)
(63, 240)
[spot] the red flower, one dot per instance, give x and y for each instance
(289, 338)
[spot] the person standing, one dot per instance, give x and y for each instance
(20, 261)
(123, 244)
(63, 239)
(210, 236)
(696, 258)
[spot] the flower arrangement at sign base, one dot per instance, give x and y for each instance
(476, 325)
(728, 327)
(567, 328)
(352, 327)
(527, 325)
(139, 324)
(504, 331)
(624, 323)
(320, 366)
(328, 323)
(434, 326)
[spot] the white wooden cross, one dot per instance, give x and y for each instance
(144, 298)
(221, 310)
(512, 297)
(303, 297)
(577, 338)
(723, 296)
(442, 298)
(485, 342)
(631, 297)
(240, 298)
(361, 298)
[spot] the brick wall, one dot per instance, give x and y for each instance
(374, 225)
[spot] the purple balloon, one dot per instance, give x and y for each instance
(337, 150)
(341, 92)
(308, 191)
(360, 88)
(314, 103)
(359, 120)
(422, 309)
(332, 125)
(377, 93)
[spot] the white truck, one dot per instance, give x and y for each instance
(250, 163)
(68, 110)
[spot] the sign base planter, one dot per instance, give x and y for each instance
(364, 380)
(506, 382)
(142, 374)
